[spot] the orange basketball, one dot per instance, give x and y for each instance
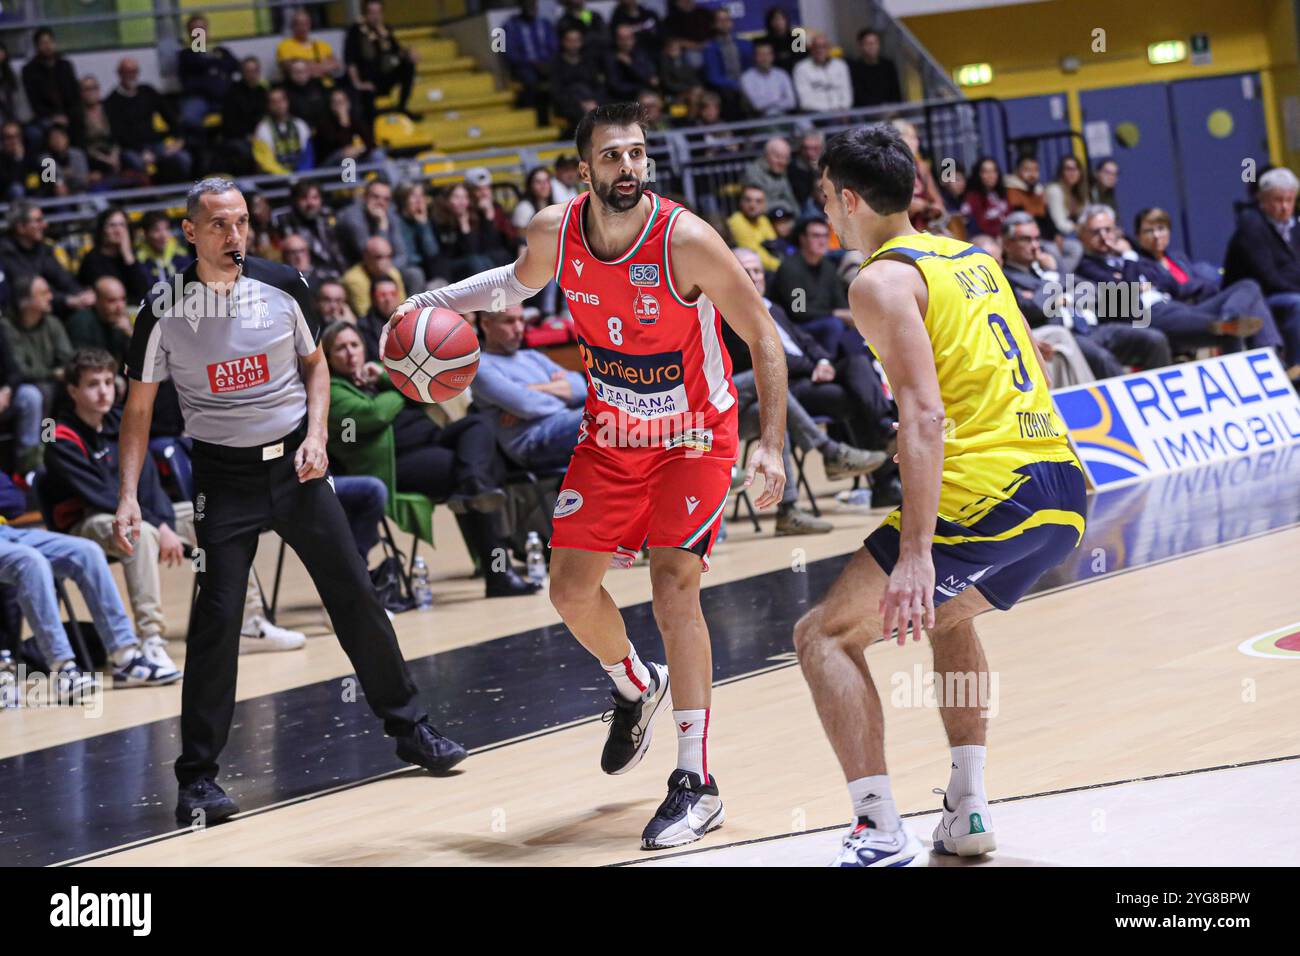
(431, 355)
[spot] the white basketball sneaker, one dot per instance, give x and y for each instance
(867, 846)
(966, 830)
(691, 809)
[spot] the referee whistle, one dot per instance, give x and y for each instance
(238, 257)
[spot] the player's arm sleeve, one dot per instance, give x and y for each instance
(488, 291)
(146, 357)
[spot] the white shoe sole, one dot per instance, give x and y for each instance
(664, 700)
(972, 844)
(266, 645)
(689, 835)
(126, 683)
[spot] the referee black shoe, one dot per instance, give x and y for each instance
(427, 748)
(203, 803)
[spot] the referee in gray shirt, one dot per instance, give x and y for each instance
(238, 337)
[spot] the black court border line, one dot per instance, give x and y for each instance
(923, 813)
(1104, 576)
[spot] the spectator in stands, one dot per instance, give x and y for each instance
(1025, 191)
(470, 243)
(628, 68)
(25, 252)
(35, 336)
(394, 437)
(726, 58)
(263, 237)
(479, 181)
(51, 86)
(531, 46)
(750, 227)
(875, 77)
(319, 56)
(927, 207)
(1265, 247)
(22, 406)
(822, 82)
(1105, 177)
(15, 164)
(107, 170)
(376, 261)
(372, 215)
(105, 326)
(159, 250)
(206, 74)
(679, 78)
(1047, 304)
(688, 22)
(706, 111)
(789, 46)
(538, 194)
(13, 98)
(537, 403)
(81, 490)
(643, 21)
(652, 112)
(1199, 283)
(575, 78)
(282, 142)
(242, 111)
(417, 228)
(376, 62)
(808, 287)
(1123, 293)
(295, 252)
(770, 172)
(332, 300)
(595, 32)
(342, 135)
(131, 108)
(565, 184)
(803, 173)
(113, 255)
(768, 89)
(307, 217)
(1066, 195)
(308, 98)
(986, 203)
(384, 300)
(70, 165)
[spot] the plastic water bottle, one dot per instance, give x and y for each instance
(420, 588)
(536, 558)
(8, 681)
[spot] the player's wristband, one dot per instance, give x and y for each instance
(488, 291)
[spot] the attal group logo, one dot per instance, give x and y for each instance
(1103, 440)
(1283, 643)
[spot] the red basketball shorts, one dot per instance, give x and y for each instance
(616, 500)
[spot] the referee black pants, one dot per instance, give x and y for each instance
(237, 497)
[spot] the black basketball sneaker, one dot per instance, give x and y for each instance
(691, 809)
(631, 723)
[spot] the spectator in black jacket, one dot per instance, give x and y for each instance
(25, 252)
(595, 32)
(131, 108)
(384, 299)
(313, 221)
(643, 21)
(206, 74)
(242, 109)
(308, 98)
(21, 408)
(875, 78)
(628, 68)
(51, 86)
(113, 255)
(106, 325)
(575, 78)
(15, 162)
(1122, 292)
(81, 489)
(376, 61)
(1266, 247)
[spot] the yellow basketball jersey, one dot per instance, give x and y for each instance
(999, 414)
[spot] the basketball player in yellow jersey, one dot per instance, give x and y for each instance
(993, 495)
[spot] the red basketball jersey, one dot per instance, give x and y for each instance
(656, 366)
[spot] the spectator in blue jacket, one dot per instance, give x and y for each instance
(538, 404)
(726, 58)
(531, 45)
(206, 74)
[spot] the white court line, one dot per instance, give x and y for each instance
(1244, 816)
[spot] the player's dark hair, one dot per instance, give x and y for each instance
(875, 163)
(611, 114)
(87, 360)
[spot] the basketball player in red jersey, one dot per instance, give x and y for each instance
(647, 284)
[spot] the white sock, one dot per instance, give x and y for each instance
(967, 778)
(629, 675)
(873, 803)
(124, 655)
(693, 741)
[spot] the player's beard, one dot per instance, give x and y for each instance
(614, 200)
